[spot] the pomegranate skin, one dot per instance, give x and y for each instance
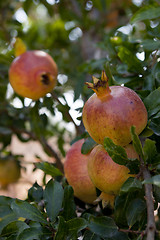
(105, 174)
(33, 74)
(76, 173)
(112, 114)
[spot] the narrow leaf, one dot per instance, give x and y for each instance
(49, 169)
(102, 226)
(69, 206)
(116, 152)
(15, 227)
(149, 150)
(152, 103)
(53, 196)
(88, 145)
(131, 184)
(134, 211)
(26, 210)
(136, 142)
(62, 229)
(146, 12)
(154, 180)
(33, 233)
(6, 216)
(74, 226)
(88, 235)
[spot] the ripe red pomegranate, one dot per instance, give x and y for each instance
(76, 173)
(105, 174)
(33, 74)
(111, 111)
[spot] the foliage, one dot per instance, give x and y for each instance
(84, 38)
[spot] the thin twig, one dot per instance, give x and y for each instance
(132, 231)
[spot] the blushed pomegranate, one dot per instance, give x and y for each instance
(111, 111)
(105, 174)
(33, 74)
(76, 173)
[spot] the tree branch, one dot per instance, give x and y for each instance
(47, 148)
(151, 226)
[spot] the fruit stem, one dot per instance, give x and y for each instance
(100, 86)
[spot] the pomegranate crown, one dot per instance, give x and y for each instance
(100, 86)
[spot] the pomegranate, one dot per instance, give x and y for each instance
(111, 111)
(76, 173)
(33, 74)
(9, 171)
(105, 174)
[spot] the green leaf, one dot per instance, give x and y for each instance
(6, 216)
(134, 211)
(35, 193)
(152, 103)
(149, 150)
(33, 233)
(49, 169)
(150, 45)
(26, 210)
(127, 56)
(14, 228)
(136, 142)
(111, 79)
(102, 226)
(74, 226)
(155, 125)
(88, 145)
(145, 13)
(116, 152)
(62, 229)
(68, 205)
(156, 193)
(5, 200)
(53, 196)
(154, 180)
(88, 235)
(133, 166)
(119, 236)
(130, 185)
(147, 132)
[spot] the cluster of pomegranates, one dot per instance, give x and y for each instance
(109, 112)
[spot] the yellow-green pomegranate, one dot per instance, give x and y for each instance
(105, 174)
